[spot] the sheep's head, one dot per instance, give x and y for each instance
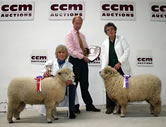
(66, 74)
(108, 72)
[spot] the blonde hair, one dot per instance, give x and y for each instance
(61, 48)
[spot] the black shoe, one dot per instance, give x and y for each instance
(109, 111)
(72, 115)
(92, 108)
(77, 110)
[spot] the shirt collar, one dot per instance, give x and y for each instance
(74, 31)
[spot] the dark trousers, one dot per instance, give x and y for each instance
(80, 69)
(109, 103)
(72, 91)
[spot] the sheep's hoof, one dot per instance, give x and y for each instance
(122, 115)
(18, 118)
(11, 121)
(114, 112)
(156, 115)
(56, 118)
(49, 121)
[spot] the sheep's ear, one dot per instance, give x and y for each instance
(113, 71)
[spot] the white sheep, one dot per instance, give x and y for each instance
(22, 91)
(145, 87)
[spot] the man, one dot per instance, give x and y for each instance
(76, 45)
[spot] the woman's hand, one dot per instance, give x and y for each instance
(117, 66)
(47, 74)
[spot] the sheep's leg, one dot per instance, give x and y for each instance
(10, 114)
(156, 107)
(116, 109)
(48, 115)
(12, 106)
(54, 113)
(123, 110)
(49, 110)
(151, 108)
(16, 114)
(19, 110)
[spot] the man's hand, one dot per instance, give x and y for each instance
(68, 82)
(86, 59)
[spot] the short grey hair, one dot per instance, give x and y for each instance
(61, 48)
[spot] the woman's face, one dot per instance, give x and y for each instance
(62, 55)
(110, 31)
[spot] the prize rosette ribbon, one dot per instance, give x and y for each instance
(38, 79)
(126, 81)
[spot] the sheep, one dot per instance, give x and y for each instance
(146, 87)
(22, 91)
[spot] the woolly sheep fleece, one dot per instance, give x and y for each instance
(145, 87)
(22, 91)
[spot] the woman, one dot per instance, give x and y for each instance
(115, 53)
(50, 68)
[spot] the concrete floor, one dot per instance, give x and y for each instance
(138, 115)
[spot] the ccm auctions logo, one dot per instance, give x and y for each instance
(66, 10)
(145, 61)
(38, 59)
(118, 10)
(16, 10)
(39, 56)
(158, 11)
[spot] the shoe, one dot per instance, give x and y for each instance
(77, 110)
(72, 115)
(109, 111)
(92, 108)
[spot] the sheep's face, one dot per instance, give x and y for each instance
(66, 74)
(107, 72)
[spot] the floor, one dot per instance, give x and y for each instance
(138, 115)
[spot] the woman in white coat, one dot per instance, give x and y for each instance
(115, 53)
(50, 68)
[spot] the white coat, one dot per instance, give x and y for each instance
(55, 66)
(122, 51)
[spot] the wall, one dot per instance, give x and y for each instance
(18, 38)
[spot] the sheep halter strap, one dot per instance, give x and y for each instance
(126, 81)
(38, 79)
